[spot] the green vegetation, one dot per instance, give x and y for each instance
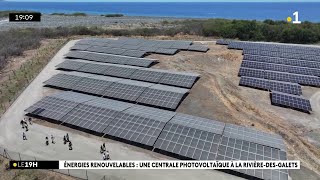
(268, 30)
(112, 15)
(72, 14)
(18, 79)
(4, 14)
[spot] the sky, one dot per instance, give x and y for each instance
(165, 0)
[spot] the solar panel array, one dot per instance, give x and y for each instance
(265, 84)
(137, 47)
(172, 78)
(279, 68)
(126, 90)
(176, 134)
(114, 59)
(292, 101)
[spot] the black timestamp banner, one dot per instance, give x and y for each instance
(24, 17)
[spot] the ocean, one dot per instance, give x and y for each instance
(308, 11)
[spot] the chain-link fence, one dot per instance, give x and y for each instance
(76, 173)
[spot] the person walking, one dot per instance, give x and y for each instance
(104, 157)
(47, 141)
(52, 139)
(70, 145)
(64, 140)
(67, 137)
(30, 120)
(101, 149)
(107, 155)
(22, 124)
(24, 136)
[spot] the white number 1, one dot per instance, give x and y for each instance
(296, 18)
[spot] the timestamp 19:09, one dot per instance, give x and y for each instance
(18, 17)
(23, 17)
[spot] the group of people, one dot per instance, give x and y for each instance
(24, 125)
(52, 140)
(104, 152)
(67, 140)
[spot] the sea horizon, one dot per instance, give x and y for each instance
(308, 11)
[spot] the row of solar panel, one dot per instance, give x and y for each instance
(136, 41)
(126, 90)
(307, 57)
(285, 61)
(280, 76)
(114, 59)
(291, 101)
(180, 135)
(135, 51)
(110, 50)
(292, 49)
(265, 84)
(179, 79)
(281, 68)
(151, 46)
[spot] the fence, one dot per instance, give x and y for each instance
(80, 174)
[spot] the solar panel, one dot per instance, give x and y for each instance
(109, 104)
(252, 135)
(70, 65)
(295, 78)
(90, 117)
(134, 53)
(57, 105)
(290, 88)
(52, 108)
(131, 47)
(166, 51)
(179, 79)
(162, 96)
(190, 137)
(75, 54)
(285, 87)
(149, 75)
(126, 90)
(94, 68)
(63, 81)
(140, 62)
(291, 101)
(253, 64)
(198, 48)
(139, 124)
(92, 85)
(255, 82)
(148, 49)
(236, 149)
(223, 41)
(120, 71)
(252, 72)
(277, 60)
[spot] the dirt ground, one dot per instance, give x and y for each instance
(217, 95)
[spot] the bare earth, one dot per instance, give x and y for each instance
(216, 95)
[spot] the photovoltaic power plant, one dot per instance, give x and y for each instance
(172, 78)
(175, 134)
(151, 94)
(281, 69)
(137, 47)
